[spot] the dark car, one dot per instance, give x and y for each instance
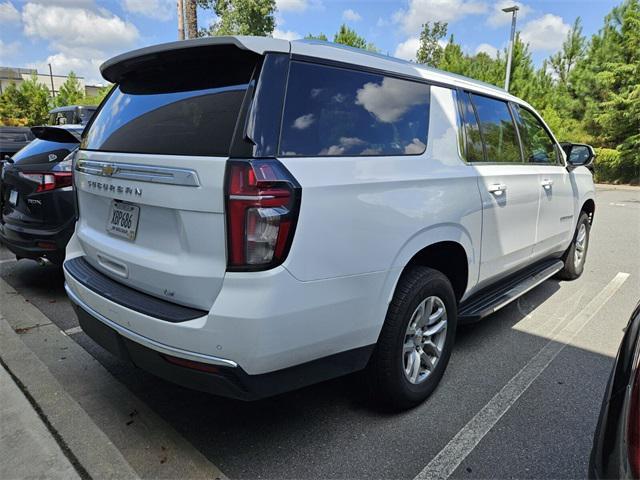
(37, 202)
(71, 115)
(13, 139)
(616, 445)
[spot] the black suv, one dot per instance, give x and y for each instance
(37, 202)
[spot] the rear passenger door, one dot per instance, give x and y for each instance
(509, 188)
(555, 216)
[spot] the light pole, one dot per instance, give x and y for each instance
(514, 11)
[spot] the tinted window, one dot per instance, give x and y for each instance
(334, 111)
(498, 130)
(474, 151)
(86, 114)
(537, 144)
(43, 151)
(184, 113)
(67, 117)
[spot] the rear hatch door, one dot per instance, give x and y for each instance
(150, 173)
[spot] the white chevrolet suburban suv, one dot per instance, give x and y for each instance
(256, 215)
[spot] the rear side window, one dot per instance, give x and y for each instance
(333, 111)
(537, 144)
(498, 130)
(188, 111)
(474, 151)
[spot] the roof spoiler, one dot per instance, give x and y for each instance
(117, 67)
(55, 134)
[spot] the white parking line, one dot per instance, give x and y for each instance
(460, 446)
(8, 260)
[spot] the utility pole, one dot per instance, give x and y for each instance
(53, 90)
(180, 20)
(514, 11)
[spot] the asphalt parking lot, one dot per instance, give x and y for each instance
(520, 397)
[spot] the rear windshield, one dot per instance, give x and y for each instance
(190, 110)
(43, 151)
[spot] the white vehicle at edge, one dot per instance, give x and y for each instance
(256, 215)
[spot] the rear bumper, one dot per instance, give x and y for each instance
(223, 377)
(24, 242)
(262, 321)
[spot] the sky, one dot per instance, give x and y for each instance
(79, 35)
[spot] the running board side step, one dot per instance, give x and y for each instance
(485, 303)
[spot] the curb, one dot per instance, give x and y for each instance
(611, 186)
(148, 447)
(92, 454)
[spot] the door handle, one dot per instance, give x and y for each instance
(497, 188)
(547, 183)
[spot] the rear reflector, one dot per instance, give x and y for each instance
(183, 362)
(262, 200)
(46, 245)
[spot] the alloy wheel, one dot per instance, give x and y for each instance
(581, 245)
(424, 339)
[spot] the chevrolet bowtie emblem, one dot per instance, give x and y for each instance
(109, 170)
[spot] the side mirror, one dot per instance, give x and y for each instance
(579, 155)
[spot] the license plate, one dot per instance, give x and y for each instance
(123, 219)
(13, 197)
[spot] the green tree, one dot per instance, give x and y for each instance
(11, 108)
(618, 116)
(96, 99)
(453, 59)
(348, 36)
(241, 17)
(27, 103)
(70, 93)
(573, 50)
(430, 52)
(320, 36)
(604, 86)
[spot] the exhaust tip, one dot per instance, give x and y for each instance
(43, 262)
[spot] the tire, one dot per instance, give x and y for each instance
(576, 255)
(391, 374)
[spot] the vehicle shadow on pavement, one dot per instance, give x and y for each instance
(233, 433)
(32, 279)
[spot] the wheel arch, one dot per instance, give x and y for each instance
(589, 207)
(449, 258)
(433, 247)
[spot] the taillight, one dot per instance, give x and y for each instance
(262, 200)
(633, 426)
(50, 180)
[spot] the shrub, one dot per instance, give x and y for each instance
(611, 167)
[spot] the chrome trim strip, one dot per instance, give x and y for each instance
(141, 173)
(147, 342)
(251, 197)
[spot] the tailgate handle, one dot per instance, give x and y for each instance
(113, 266)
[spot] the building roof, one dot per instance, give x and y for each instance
(15, 73)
